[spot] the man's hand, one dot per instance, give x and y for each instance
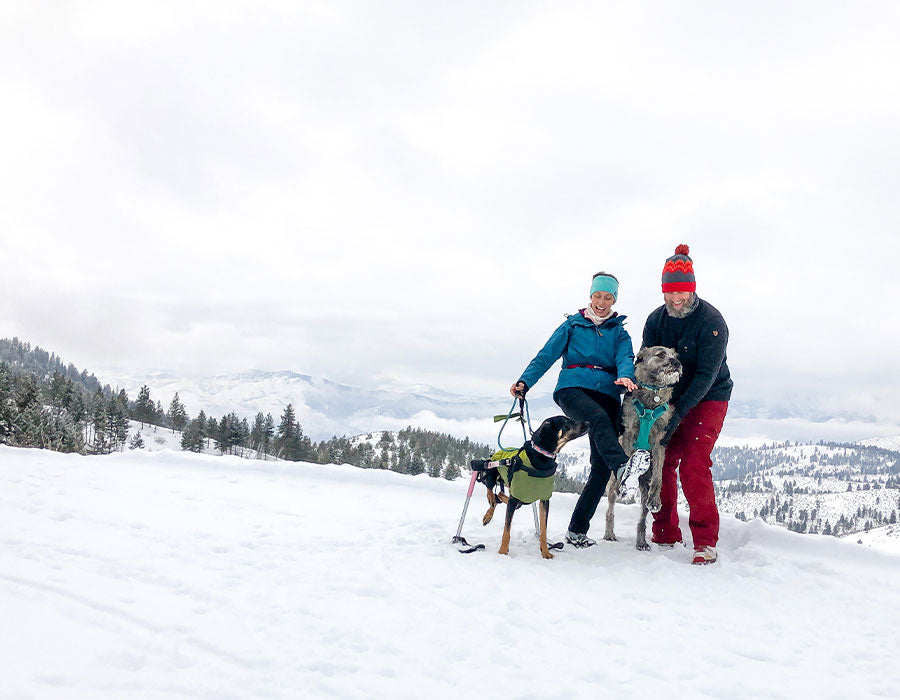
(670, 429)
(518, 390)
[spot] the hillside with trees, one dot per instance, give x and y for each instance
(827, 488)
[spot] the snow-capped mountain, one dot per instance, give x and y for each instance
(327, 408)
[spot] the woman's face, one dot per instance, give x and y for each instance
(602, 302)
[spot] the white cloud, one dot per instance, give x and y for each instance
(421, 191)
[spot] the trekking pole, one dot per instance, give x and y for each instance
(462, 518)
(458, 538)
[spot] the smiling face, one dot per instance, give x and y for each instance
(602, 303)
(678, 304)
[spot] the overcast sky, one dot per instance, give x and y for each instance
(416, 192)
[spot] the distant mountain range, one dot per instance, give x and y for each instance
(326, 408)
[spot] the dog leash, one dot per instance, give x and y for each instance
(523, 415)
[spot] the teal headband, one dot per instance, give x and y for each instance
(604, 283)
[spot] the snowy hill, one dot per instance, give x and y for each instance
(832, 489)
(886, 538)
(886, 443)
(173, 575)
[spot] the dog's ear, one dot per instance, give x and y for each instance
(542, 429)
(641, 356)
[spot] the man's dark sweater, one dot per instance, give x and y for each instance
(699, 339)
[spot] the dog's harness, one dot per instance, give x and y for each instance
(647, 416)
(526, 482)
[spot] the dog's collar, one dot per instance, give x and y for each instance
(655, 389)
(650, 386)
(548, 455)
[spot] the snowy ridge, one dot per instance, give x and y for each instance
(886, 538)
(326, 408)
(163, 575)
(886, 443)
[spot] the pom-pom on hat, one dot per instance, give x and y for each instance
(678, 272)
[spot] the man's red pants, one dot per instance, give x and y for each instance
(689, 452)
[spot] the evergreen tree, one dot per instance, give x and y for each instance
(117, 420)
(192, 438)
(143, 407)
(290, 443)
(268, 434)
(202, 426)
(256, 433)
(30, 427)
(99, 442)
(177, 414)
(261, 434)
(212, 429)
(452, 472)
(416, 466)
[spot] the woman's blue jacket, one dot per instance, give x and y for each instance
(579, 341)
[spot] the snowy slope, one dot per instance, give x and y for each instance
(172, 575)
(886, 443)
(886, 538)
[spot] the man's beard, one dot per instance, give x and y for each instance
(685, 309)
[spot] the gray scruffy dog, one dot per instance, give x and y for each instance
(657, 370)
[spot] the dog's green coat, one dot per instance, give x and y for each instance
(528, 484)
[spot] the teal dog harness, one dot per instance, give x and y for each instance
(647, 416)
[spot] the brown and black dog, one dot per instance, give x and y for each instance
(540, 452)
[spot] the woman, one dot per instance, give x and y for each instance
(597, 360)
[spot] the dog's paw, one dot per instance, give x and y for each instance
(487, 517)
(610, 537)
(654, 505)
(547, 554)
(642, 546)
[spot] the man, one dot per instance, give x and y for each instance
(697, 332)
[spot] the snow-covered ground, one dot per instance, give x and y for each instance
(887, 443)
(885, 538)
(171, 575)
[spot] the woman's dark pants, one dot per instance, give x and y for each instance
(601, 411)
